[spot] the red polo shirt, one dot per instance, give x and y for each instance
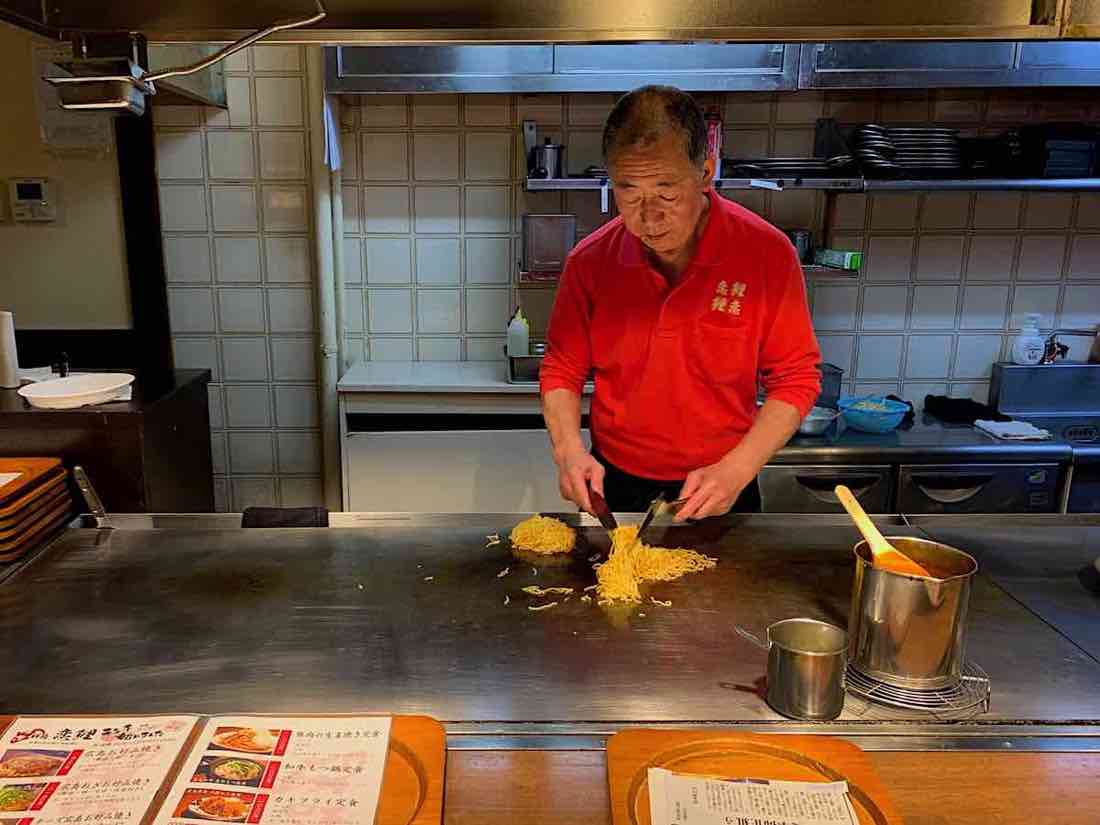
(676, 368)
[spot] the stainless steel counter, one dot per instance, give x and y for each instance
(929, 441)
(346, 619)
(1054, 576)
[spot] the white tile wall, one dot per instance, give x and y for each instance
(433, 200)
(235, 210)
(947, 279)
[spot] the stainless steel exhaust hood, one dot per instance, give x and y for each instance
(561, 21)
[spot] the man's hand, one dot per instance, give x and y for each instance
(712, 490)
(577, 470)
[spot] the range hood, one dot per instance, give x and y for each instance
(569, 21)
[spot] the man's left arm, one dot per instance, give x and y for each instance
(788, 370)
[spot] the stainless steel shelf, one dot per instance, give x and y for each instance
(556, 184)
(838, 184)
(984, 185)
(829, 271)
(831, 184)
(857, 184)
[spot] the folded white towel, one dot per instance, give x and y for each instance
(1013, 430)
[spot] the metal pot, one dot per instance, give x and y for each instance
(806, 663)
(910, 631)
(547, 160)
(817, 421)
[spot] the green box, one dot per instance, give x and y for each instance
(838, 259)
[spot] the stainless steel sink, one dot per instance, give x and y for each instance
(1062, 388)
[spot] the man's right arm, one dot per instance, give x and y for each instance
(577, 469)
(562, 376)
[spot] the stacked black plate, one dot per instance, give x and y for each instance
(908, 151)
(787, 167)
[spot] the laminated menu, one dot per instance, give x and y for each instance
(676, 798)
(282, 771)
(168, 769)
(78, 770)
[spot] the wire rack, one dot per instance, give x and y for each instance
(968, 697)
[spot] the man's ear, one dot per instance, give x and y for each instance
(708, 171)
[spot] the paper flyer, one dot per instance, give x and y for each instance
(701, 800)
(86, 770)
(281, 771)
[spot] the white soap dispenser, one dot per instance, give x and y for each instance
(1027, 347)
(519, 336)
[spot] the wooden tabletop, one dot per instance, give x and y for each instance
(928, 788)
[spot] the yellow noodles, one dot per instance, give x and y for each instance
(535, 590)
(630, 564)
(541, 534)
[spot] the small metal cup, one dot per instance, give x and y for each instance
(806, 664)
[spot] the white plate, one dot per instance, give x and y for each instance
(76, 390)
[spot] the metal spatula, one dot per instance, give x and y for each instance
(659, 506)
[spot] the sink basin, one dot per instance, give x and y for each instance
(1062, 388)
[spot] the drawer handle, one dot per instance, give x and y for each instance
(821, 487)
(951, 489)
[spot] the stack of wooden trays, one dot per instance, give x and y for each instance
(35, 502)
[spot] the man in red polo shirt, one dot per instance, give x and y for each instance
(678, 308)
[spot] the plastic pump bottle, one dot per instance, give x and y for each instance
(1027, 347)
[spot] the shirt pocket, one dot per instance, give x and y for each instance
(723, 354)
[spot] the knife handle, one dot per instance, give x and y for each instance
(601, 510)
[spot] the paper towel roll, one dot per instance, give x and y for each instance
(9, 360)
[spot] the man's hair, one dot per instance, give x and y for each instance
(649, 113)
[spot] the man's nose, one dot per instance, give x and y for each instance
(652, 211)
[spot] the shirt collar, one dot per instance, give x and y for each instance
(713, 246)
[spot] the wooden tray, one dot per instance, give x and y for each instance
(739, 755)
(18, 509)
(12, 528)
(412, 785)
(12, 549)
(32, 472)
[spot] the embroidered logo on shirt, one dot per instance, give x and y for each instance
(728, 297)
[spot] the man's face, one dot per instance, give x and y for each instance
(659, 192)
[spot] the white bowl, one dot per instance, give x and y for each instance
(76, 390)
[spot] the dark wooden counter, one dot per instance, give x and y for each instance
(149, 454)
(928, 788)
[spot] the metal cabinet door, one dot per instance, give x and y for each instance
(475, 68)
(880, 64)
(809, 489)
(978, 488)
(564, 68)
(1052, 63)
(1084, 492)
(692, 66)
(461, 471)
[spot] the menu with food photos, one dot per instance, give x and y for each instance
(108, 770)
(86, 770)
(281, 771)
